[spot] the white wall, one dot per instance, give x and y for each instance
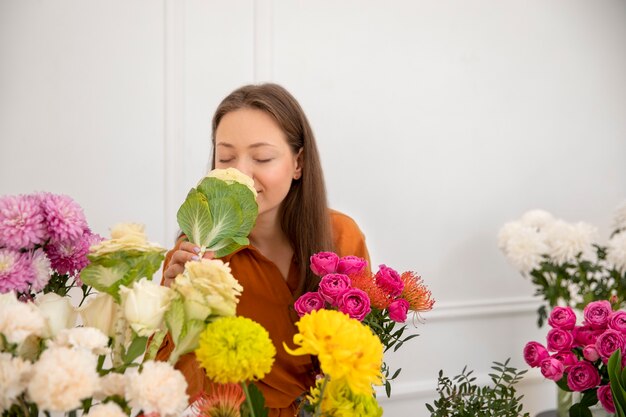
(437, 121)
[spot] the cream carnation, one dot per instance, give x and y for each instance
(14, 375)
(538, 219)
(20, 320)
(158, 388)
(109, 409)
(62, 378)
(616, 251)
(567, 240)
(230, 175)
(111, 384)
(88, 338)
(126, 236)
(619, 219)
(523, 246)
(208, 287)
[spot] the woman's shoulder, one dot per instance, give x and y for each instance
(347, 236)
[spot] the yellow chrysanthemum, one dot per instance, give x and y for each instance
(339, 401)
(347, 350)
(235, 349)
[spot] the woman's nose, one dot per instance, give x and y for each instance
(244, 167)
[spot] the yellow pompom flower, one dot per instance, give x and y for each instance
(234, 350)
(339, 401)
(347, 350)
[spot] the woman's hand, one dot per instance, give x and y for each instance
(186, 252)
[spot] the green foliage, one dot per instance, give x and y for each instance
(461, 397)
(254, 406)
(617, 377)
(218, 216)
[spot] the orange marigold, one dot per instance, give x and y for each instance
(416, 293)
(365, 281)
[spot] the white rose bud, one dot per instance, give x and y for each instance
(58, 312)
(144, 305)
(100, 312)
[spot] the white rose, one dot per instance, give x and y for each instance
(230, 175)
(58, 311)
(144, 305)
(100, 312)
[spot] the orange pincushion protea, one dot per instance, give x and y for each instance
(365, 281)
(224, 400)
(416, 293)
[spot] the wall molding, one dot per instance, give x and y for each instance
(479, 308)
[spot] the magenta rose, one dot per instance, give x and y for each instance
(617, 321)
(582, 376)
(606, 398)
(562, 318)
(389, 281)
(355, 303)
(560, 340)
(567, 358)
(608, 342)
(591, 353)
(552, 369)
(535, 353)
(585, 335)
(351, 265)
(310, 301)
(597, 314)
(323, 263)
(333, 286)
(398, 309)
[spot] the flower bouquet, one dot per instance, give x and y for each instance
(576, 357)
(563, 260)
(381, 300)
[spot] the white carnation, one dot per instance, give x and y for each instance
(567, 240)
(230, 175)
(158, 388)
(62, 378)
(619, 219)
(538, 219)
(111, 384)
(616, 251)
(14, 375)
(109, 409)
(88, 338)
(20, 320)
(524, 246)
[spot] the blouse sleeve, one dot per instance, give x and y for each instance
(347, 237)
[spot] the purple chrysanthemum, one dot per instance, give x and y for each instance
(41, 268)
(64, 217)
(22, 222)
(16, 272)
(69, 258)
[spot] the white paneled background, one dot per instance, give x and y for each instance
(437, 120)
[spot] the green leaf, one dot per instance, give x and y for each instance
(188, 340)
(579, 410)
(105, 279)
(256, 399)
(194, 218)
(136, 348)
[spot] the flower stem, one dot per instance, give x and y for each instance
(248, 400)
(318, 407)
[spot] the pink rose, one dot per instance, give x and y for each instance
(389, 281)
(582, 376)
(351, 265)
(552, 369)
(617, 321)
(591, 353)
(355, 303)
(597, 314)
(332, 287)
(608, 342)
(606, 398)
(562, 318)
(585, 335)
(535, 353)
(398, 309)
(559, 340)
(323, 263)
(310, 301)
(567, 358)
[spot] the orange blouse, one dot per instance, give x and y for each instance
(268, 299)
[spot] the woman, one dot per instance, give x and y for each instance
(262, 131)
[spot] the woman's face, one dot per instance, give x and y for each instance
(251, 141)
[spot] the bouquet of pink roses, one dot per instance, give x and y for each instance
(576, 356)
(379, 300)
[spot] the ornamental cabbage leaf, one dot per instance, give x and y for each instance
(218, 215)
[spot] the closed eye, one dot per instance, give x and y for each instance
(262, 161)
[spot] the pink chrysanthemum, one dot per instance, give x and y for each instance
(41, 269)
(22, 222)
(16, 272)
(65, 218)
(69, 258)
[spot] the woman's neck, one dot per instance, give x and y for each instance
(267, 231)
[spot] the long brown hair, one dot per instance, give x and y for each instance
(305, 219)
